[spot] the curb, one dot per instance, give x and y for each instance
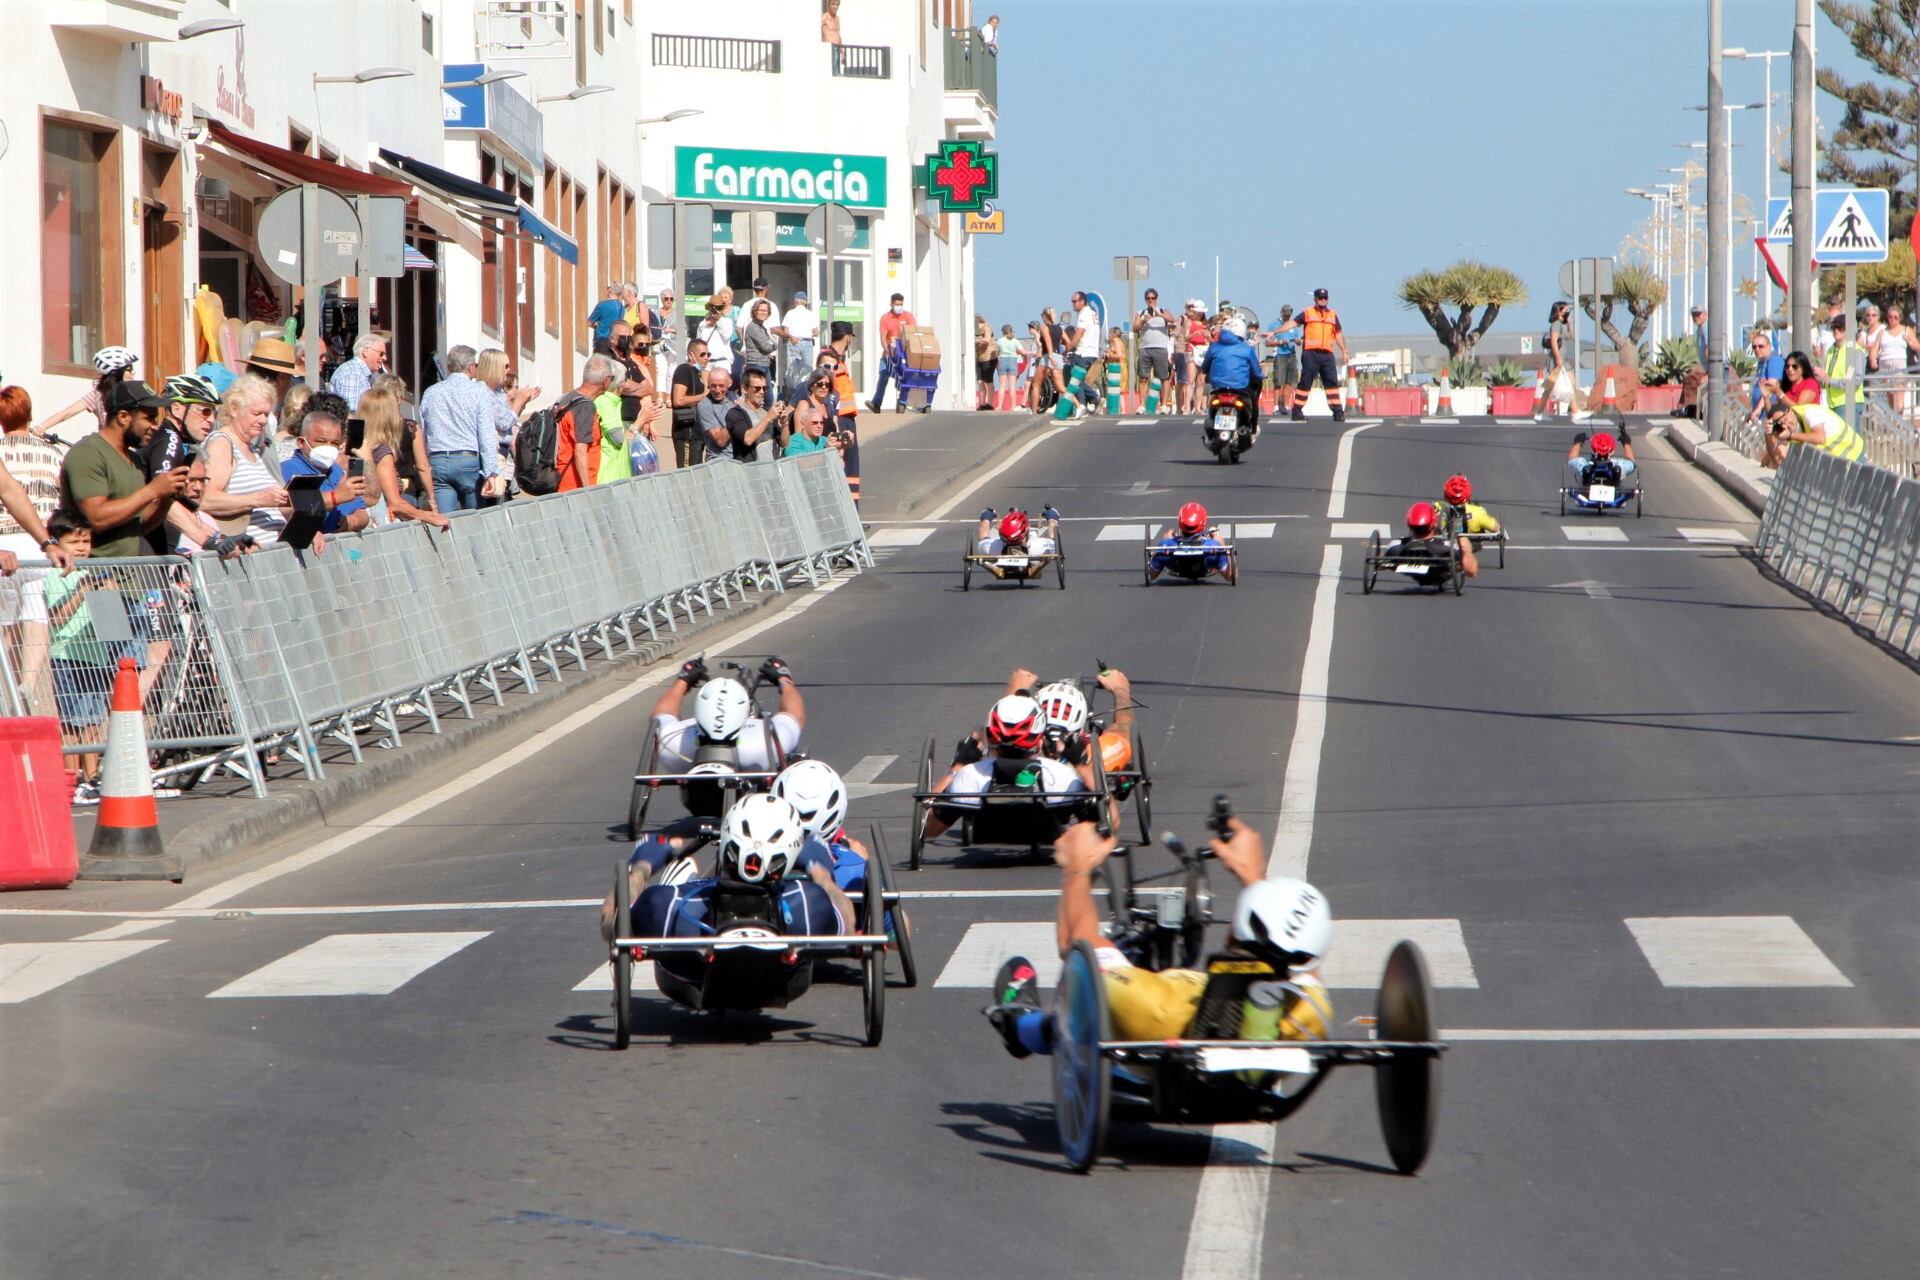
(947, 482)
(1738, 474)
(208, 844)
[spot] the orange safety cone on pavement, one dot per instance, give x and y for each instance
(1444, 408)
(1610, 402)
(1353, 389)
(1540, 393)
(126, 835)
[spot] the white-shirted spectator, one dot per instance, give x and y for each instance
(351, 380)
(801, 328)
(463, 419)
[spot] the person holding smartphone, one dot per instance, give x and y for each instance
(321, 437)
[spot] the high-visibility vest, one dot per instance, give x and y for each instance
(1842, 440)
(1839, 367)
(843, 387)
(1319, 326)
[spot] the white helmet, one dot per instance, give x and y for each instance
(1064, 706)
(817, 793)
(759, 839)
(1235, 326)
(1284, 920)
(114, 359)
(721, 708)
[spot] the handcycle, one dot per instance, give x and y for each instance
(1604, 487)
(1009, 812)
(1188, 561)
(1210, 1074)
(1432, 561)
(1453, 524)
(1017, 565)
(750, 964)
(714, 778)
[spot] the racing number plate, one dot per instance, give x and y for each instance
(1190, 551)
(1223, 423)
(1297, 1061)
(1012, 562)
(1411, 568)
(1600, 493)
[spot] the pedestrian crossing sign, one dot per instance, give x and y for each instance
(1780, 220)
(1852, 222)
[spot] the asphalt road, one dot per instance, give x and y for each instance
(1651, 815)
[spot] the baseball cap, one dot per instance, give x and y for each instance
(800, 295)
(1319, 293)
(759, 282)
(1698, 310)
(134, 395)
(1195, 303)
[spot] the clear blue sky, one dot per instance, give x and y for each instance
(1412, 133)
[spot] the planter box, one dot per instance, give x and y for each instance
(1661, 399)
(1392, 402)
(1512, 401)
(1466, 400)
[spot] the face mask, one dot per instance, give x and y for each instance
(323, 456)
(898, 309)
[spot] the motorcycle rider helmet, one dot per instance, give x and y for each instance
(1604, 444)
(191, 388)
(721, 709)
(760, 839)
(1283, 922)
(1235, 326)
(1013, 528)
(1421, 518)
(1064, 706)
(114, 359)
(817, 793)
(1193, 519)
(1016, 723)
(1458, 490)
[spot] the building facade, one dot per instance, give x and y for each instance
(505, 161)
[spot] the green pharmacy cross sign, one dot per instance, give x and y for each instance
(963, 177)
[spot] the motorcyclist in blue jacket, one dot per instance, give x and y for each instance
(1233, 364)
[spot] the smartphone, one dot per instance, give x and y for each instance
(356, 467)
(356, 434)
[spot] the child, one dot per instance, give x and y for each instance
(81, 679)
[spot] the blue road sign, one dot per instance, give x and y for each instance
(1851, 222)
(465, 107)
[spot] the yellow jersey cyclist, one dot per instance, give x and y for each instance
(1460, 513)
(1284, 922)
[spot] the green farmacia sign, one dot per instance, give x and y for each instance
(779, 177)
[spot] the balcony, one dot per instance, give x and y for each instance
(717, 53)
(861, 61)
(131, 20)
(972, 85)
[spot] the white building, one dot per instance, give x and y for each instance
(139, 149)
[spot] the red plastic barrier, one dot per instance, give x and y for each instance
(1393, 402)
(1511, 401)
(1661, 399)
(36, 831)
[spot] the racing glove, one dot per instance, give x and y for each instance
(968, 751)
(988, 514)
(693, 671)
(773, 671)
(1049, 513)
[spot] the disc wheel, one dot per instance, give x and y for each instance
(1371, 574)
(873, 968)
(1060, 560)
(1082, 1089)
(902, 931)
(622, 958)
(1407, 1085)
(1142, 791)
(642, 795)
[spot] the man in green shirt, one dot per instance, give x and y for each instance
(102, 485)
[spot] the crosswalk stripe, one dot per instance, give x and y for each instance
(1360, 947)
(1724, 537)
(1255, 529)
(29, 969)
(1733, 951)
(1349, 529)
(1121, 533)
(897, 537)
(350, 964)
(980, 952)
(601, 979)
(1593, 533)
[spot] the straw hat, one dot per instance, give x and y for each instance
(273, 354)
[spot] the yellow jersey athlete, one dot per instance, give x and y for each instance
(1283, 922)
(1460, 513)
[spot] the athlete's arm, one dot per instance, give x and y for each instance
(1243, 852)
(842, 905)
(1115, 682)
(1078, 851)
(791, 703)
(1021, 680)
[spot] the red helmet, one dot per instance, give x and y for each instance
(1016, 721)
(1604, 444)
(1421, 518)
(1458, 490)
(1193, 518)
(1013, 527)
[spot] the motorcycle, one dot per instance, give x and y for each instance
(1229, 430)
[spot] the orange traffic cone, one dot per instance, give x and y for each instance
(1540, 394)
(1610, 402)
(126, 836)
(1444, 408)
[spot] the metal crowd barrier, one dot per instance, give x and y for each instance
(282, 650)
(1848, 534)
(1886, 420)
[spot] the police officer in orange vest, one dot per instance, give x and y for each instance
(848, 408)
(1320, 336)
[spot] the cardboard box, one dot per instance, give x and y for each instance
(923, 348)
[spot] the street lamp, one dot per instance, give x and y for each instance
(1766, 172)
(1284, 264)
(574, 95)
(1183, 285)
(491, 77)
(680, 114)
(365, 77)
(1730, 108)
(1658, 247)
(208, 26)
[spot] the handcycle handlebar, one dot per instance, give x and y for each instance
(1217, 822)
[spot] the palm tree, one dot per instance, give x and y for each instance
(1641, 291)
(1461, 288)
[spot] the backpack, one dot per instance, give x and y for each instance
(536, 447)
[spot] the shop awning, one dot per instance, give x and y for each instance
(301, 168)
(479, 200)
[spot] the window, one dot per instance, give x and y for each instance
(599, 27)
(299, 139)
(580, 40)
(584, 272)
(80, 245)
(529, 250)
(426, 32)
(549, 195)
(609, 265)
(490, 305)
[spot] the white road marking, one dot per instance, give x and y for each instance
(1594, 589)
(939, 512)
(1342, 468)
(1593, 533)
(1629, 1035)
(907, 537)
(349, 964)
(1721, 537)
(29, 969)
(401, 814)
(980, 952)
(1361, 530)
(1256, 529)
(1360, 947)
(1122, 533)
(1138, 422)
(601, 979)
(1444, 422)
(125, 929)
(860, 779)
(1230, 1212)
(1733, 951)
(1140, 490)
(1299, 791)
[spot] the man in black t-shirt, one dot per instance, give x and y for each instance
(689, 387)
